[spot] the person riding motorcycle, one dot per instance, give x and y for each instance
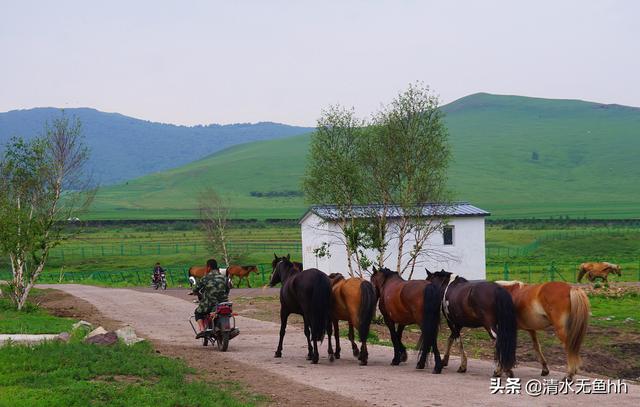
(212, 289)
(158, 272)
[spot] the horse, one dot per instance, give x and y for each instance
(276, 259)
(197, 271)
(598, 270)
(307, 293)
(241, 272)
(353, 300)
(409, 302)
(478, 304)
(556, 304)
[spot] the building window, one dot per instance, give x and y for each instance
(447, 235)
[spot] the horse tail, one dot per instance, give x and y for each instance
(367, 309)
(507, 334)
(430, 319)
(320, 307)
(582, 272)
(576, 324)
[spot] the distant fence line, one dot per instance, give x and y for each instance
(541, 272)
(147, 249)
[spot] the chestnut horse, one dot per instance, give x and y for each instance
(477, 304)
(598, 270)
(306, 293)
(241, 272)
(353, 300)
(556, 304)
(409, 302)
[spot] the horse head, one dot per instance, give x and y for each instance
(380, 276)
(335, 277)
(439, 278)
(281, 271)
(617, 269)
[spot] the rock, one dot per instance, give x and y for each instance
(106, 339)
(64, 336)
(80, 324)
(128, 335)
(98, 331)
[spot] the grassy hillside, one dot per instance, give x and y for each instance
(514, 156)
(123, 148)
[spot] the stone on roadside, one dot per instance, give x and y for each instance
(128, 335)
(64, 336)
(98, 331)
(108, 338)
(80, 324)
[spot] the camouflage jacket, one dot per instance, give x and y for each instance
(212, 289)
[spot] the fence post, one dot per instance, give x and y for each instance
(262, 273)
(529, 273)
(506, 271)
(552, 270)
(138, 275)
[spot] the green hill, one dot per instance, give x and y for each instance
(514, 156)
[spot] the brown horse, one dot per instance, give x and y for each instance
(556, 304)
(477, 304)
(241, 272)
(353, 300)
(409, 302)
(598, 270)
(197, 271)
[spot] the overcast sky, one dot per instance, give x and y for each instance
(198, 62)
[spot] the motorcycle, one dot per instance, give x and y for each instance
(159, 282)
(220, 326)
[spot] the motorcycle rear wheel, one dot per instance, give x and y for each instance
(223, 341)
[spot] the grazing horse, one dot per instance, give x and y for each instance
(409, 302)
(556, 304)
(353, 300)
(478, 304)
(276, 259)
(241, 272)
(598, 270)
(307, 293)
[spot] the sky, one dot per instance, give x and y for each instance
(201, 62)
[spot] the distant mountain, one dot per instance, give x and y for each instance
(514, 156)
(123, 147)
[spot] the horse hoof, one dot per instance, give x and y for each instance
(315, 361)
(363, 362)
(545, 372)
(510, 374)
(404, 356)
(356, 353)
(309, 357)
(395, 362)
(420, 366)
(445, 362)
(462, 369)
(331, 358)
(496, 374)
(337, 355)
(278, 355)
(436, 371)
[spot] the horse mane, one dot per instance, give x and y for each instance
(388, 273)
(509, 283)
(336, 277)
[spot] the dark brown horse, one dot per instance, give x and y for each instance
(241, 272)
(307, 293)
(353, 300)
(276, 259)
(409, 302)
(478, 304)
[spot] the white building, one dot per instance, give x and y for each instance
(458, 248)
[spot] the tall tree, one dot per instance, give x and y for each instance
(334, 174)
(43, 186)
(409, 154)
(214, 217)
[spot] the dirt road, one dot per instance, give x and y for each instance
(164, 318)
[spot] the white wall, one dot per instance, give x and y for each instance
(465, 257)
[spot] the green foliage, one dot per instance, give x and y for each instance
(78, 374)
(30, 320)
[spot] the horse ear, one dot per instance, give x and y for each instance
(374, 269)
(275, 256)
(288, 256)
(428, 272)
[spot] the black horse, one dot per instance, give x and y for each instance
(307, 293)
(478, 304)
(276, 259)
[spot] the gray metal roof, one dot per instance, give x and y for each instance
(454, 209)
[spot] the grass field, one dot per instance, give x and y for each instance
(585, 166)
(31, 320)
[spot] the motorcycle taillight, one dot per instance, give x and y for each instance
(223, 310)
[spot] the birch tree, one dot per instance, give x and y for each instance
(43, 185)
(214, 218)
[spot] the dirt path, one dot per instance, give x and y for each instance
(164, 318)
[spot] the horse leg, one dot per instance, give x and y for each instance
(463, 355)
(307, 333)
(329, 333)
(538, 349)
(336, 328)
(284, 315)
(392, 331)
(403, 350)
(354, 347)
(572, 365)
(364, 352)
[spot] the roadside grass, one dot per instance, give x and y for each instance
(31, 319)
(620, 312)
(77, 374)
